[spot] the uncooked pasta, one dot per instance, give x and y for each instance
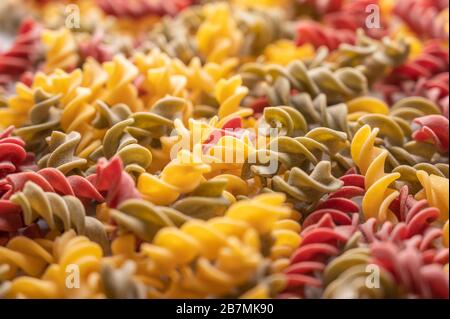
(281, 149)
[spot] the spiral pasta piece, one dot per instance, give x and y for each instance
(181, 175)
(224, 249)
(61, 52)
(21, 56)
(370, 160)
(435, 190)
(327, 230)
(68, 250)
(218, 36)
(62, 152)
(22, 253)
(372, 57)
(229, 94)
(156, 149)
(59, 212)
(346, 277)
(340, 84)
(431, 23)
(13, 156)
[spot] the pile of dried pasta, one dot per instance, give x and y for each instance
(212, 149)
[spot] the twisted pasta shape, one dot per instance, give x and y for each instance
(352, 15)
(203, 78)
(403, 115)
(287, 120)
(229, 94)
(374, 58)
(141, 8)
(13, 156)
(422, 278)
(301, 152)
(96, 48)
(62, 153)
(272, 53)
(423, 17)
(113, 182)
(59, 212)
(209, 199)
(434, 129)
(435, 190)
(61, 50)
(182, 175)
(307, 189)
(66, 86)
(43, 119)
(370, 160)
(25, 254)
(338, 85)
(415, 218)
(21, 54)
(224, 250)
(121, 73)
(432, 60)
(218, 37)
(325, 231)
(211, 149)
(68, 250)
(409, 173)
(145, 219)
(160, 77)
(120, 137)
(52, 180)
(120, 284)
(346, 277)
(319, 35)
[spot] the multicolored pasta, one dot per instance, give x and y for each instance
(224, 149)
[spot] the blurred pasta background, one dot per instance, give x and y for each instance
(96, 94)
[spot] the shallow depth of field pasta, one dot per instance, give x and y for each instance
(224, 149)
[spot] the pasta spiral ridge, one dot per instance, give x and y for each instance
(414, 217)
(325, 231)
(62, 148)
(13, 156)
(423, 17)
(22, 253)
(374, 58)
(182, 175)
(409, 173)
(426, 279)
(338, 85)
(20, 57)
(307, 189)
(141, 8)
(300, 152)
(112, 182)
(52, 180)
(224, 149)
(322, 35)
(68, 250)
(370, 160)
(205, 243)
(59, 212)
(61, 50)
(44, 118)
(120, 284)
(346, 277)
